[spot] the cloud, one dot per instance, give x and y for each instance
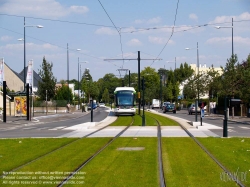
(134, 42)
(193, 16)
(5, 38)
(139, 21)
(223, 19)
(79, 9)
(154, 20)
(44, 8)
(106, 31)
(149, 21)
(226, 40)
(159, 40)
(30, 47)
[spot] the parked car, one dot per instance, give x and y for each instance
(169, 108)
(164, 104)
(94, 106)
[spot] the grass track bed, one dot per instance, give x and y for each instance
(122, 121)
(233, 153)
(164, 121)
(186, 164)
(124, 168)
(149, 118)
(66, 159)
(16, 152)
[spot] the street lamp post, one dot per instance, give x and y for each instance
(218, 27)
(225, 134)
(68, 72)
(79, 83)
(24, 48)
(198, 84)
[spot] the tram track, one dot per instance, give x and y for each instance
(213, 158)
(57, 149)
(94, 155)
(233, 178)
(160, 160)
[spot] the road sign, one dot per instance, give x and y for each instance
(202, 113)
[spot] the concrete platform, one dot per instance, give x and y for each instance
(173, 131)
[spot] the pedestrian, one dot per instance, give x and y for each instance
(68, 107)
(214, 107)
(211, 109)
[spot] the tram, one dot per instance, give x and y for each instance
(124, 101)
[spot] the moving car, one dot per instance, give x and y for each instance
(191, 109)
(101, 105)
(164, 104)
(169, 108)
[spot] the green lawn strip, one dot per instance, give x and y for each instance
(16, 152)
(137, 120)
(186, 164)
(126, 120)
(164, 121)
(233, 153)
(124, 168)
(122, 121)
(63, 161)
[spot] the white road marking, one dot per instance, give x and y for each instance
(244, 127)
(57, 128)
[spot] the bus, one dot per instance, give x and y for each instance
(124, 101)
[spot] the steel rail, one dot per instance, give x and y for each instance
(94, 155)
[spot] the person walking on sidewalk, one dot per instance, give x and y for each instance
(68, 107)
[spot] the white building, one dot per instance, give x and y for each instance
(202, 69)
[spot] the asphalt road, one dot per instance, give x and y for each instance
(53, 127)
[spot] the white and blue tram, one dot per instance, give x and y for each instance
(124, 101)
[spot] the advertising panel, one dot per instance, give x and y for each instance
(20, 106)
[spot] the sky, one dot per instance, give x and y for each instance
(98, 30)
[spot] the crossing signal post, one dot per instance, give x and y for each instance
(201, 106)
(143, 90)
(4, 101)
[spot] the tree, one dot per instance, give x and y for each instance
(230, 86)
(110, 82)
(212, 82)
(152, 84)
(48, 81)
(63, 92)
(89, 87)
(244, 85)
(105, 96)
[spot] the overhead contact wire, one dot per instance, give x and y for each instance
(116, 29)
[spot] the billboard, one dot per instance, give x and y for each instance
(1, 71)
(29, 78)
(20, 106)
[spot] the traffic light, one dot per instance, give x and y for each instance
(202, 104)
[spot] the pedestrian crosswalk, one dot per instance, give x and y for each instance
(45, 128)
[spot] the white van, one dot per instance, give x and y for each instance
(155, 103)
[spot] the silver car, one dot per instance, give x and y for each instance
(191, 109)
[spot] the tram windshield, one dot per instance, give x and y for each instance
(125, 98)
